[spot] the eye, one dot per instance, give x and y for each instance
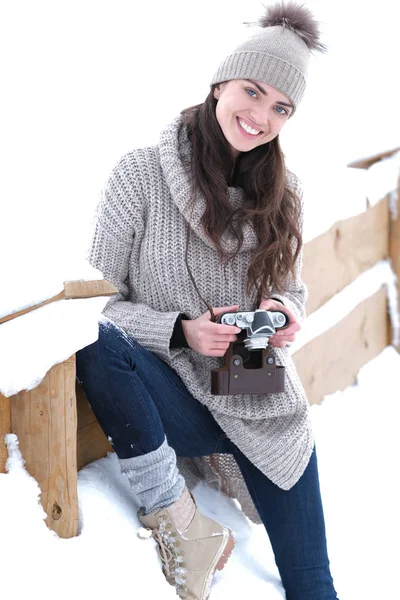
(282, 111)
(252, 93)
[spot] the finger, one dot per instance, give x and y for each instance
(277, 343)
(279, 337)
(222, 329)
(266, 304)
(272, 304)
(219, 345)
(228, 338)
(275, 305)
(291, 330)
(219, 310)
(293, 322)
(289, 338)
(216, 353)
(280, 343)
(225, 339)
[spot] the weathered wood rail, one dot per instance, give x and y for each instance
(45, 421)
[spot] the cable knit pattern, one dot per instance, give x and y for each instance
(139, 245)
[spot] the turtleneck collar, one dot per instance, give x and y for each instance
(175, 156)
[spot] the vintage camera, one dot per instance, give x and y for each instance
(250, 367)
(259, 325)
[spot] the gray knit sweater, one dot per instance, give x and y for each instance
(139, 245)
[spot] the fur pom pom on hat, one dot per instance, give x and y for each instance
(278, 54)
(296, 18)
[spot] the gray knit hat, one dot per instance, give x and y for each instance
(279, 54)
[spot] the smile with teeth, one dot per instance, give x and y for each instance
(247, 128)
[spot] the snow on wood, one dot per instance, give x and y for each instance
(31, 344)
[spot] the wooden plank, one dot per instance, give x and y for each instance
(92, 442)
(89, 289)
(45, 422)
(331, 361)
(394, 249)
(351, 246)
(5, 427)
(365, 163)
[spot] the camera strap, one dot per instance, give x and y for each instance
(208, 305)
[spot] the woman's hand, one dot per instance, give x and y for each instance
(210, 339)
(283, 336)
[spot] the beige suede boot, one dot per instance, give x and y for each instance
(191, 546)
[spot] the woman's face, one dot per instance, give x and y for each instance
(250, 113)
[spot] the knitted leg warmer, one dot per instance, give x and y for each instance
(154, 477)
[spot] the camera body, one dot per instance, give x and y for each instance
(250, 367)
(259, 325)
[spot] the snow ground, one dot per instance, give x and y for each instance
(358, 448)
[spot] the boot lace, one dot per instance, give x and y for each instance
(164, 552)
(171, 557)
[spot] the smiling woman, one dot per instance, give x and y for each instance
(211, 218)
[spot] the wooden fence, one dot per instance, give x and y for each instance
(332, 261)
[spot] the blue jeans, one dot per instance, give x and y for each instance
(138, 400)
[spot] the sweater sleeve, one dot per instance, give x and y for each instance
(296, 293)
(118, 220)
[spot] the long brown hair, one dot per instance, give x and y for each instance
(270, 203)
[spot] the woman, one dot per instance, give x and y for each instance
(211, 213)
